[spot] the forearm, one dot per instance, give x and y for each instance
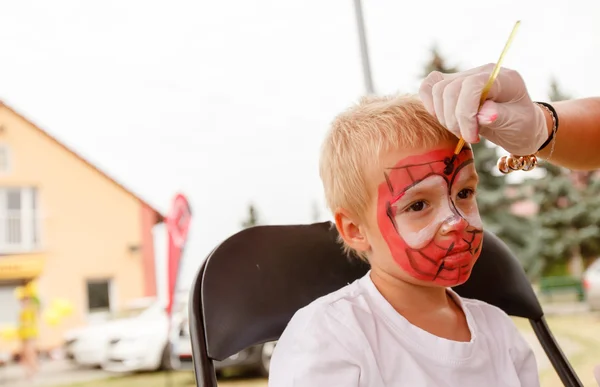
(577, 143)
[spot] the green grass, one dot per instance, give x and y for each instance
(581, 329)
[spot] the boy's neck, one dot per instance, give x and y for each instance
(407, 297)
(429, 308)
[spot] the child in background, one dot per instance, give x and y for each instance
(404, 204)
(28, 329)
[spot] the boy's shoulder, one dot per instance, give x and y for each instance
(323, 343)
(482, 307)
(489, 316)
(337, 301)
(339, 307)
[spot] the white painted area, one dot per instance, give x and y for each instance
(159, 233)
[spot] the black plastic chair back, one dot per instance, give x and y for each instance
(251, 285)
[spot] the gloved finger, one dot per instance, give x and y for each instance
(426, 89)
(508, 87)
(487, 68)
(450, 98)
(437, 93)
(467, 106)
(597, 374)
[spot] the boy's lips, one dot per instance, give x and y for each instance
(445, 266)
(457, 250)
(458, 259)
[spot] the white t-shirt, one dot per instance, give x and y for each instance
(354, 338)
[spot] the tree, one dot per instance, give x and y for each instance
(556, 94)
(495, 196)
(437, 63)
(252, 219)
(566, 224)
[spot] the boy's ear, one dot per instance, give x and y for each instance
(351, 231)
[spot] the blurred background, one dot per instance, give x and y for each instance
(108, 109)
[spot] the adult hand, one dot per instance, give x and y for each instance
(597, 374)
(508, 118)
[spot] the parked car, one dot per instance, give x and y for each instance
(591, 285)
(145, 346)
(88, 346)
(133, 339)
(254, 359)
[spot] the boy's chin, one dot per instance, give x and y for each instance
(438, 282)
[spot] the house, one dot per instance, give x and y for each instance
(84, 237)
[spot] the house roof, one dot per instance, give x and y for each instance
(160, 217)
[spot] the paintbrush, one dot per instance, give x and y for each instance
(489, 84)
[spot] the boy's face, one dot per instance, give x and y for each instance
(426, 218)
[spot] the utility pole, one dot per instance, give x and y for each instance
(364, 50)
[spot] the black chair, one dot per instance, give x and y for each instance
(250, 286)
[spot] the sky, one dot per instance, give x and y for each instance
(228, 101)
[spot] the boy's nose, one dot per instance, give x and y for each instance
(454, 223)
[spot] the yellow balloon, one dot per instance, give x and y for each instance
(63, 307)
(67, 310)
(8, 333)
(52, 317)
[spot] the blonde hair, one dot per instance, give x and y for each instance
(358, 138)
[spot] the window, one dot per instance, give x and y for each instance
(98, 295)
(19, 221)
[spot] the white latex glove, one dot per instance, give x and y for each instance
(597, 374)
(508, 118)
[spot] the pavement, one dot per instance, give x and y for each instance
(569, 348)
(52, 373)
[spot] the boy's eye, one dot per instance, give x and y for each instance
(466, 193)
(417, 206)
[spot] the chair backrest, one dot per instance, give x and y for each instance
(252, 284)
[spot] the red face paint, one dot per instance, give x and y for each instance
(428, 216)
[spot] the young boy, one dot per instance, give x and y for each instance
(401, 202)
